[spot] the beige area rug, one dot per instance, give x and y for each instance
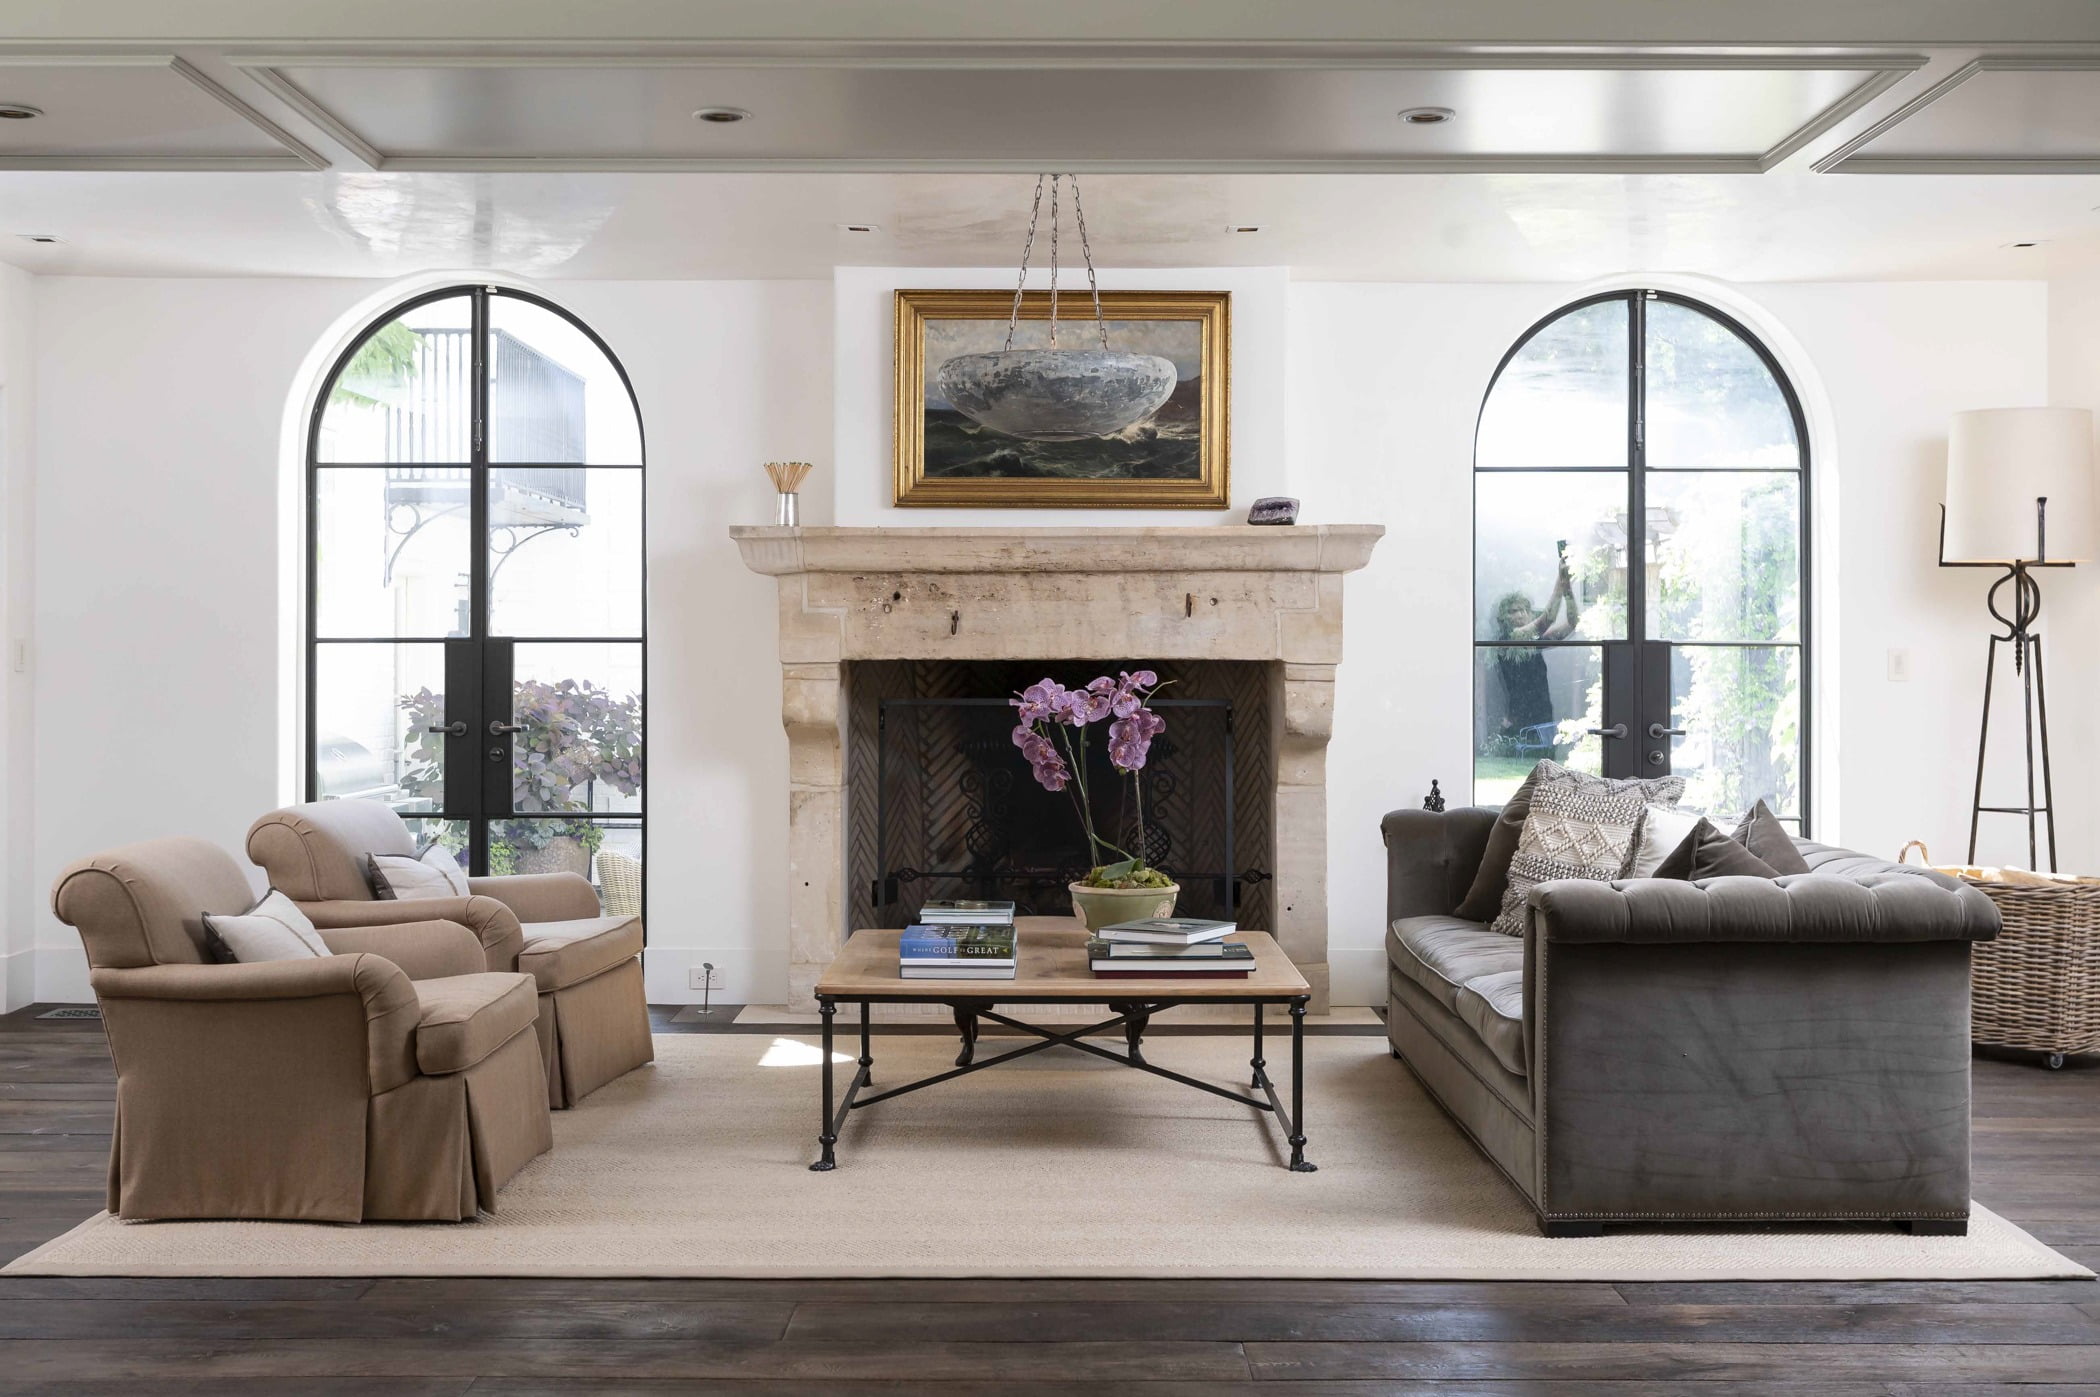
(1049, 1014)
(1058, 1165)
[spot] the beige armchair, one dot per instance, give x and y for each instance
(594, 1016)
(397, 1079)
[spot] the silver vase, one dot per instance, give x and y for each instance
(789, 514)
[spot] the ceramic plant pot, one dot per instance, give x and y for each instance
(1100, 907)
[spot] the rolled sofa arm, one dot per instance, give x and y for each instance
(542, 897)
(494, 925)
(1431, 857)
(220, 994)
(1877, 907)
(423, 950)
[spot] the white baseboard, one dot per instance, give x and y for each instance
(667, 976)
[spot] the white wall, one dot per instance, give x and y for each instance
(17, 578)
(159, 417)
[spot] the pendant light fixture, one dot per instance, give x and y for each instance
(1058, 393)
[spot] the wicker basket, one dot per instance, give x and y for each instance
(2037, 986)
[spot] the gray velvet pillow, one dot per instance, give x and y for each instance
(1484, 900)
(1761, 833)
(1708, 853)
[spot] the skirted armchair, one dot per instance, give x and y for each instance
(594, 1016)
(396, 1079)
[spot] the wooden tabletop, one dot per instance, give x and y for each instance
(1053, 966)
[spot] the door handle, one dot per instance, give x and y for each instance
(498, 727)
(1615, 730)
(453, 729)
(1658, 730)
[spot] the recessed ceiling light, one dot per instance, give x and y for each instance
(1427, 116)
(19, 111)
(860, 227)
(1243, 227)
(721, 116)
(45, 238)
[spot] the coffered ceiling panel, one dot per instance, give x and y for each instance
(2006, 114)
(133, 112)
(577, 114)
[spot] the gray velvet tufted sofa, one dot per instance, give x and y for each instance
(1737, 1049)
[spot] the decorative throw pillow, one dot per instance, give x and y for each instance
(433, 873)
(273, 929)
(1579, 826)
(1663, 828)
(1708, 853)
(1761, 833)
(1484, 899)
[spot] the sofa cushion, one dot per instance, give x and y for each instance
(1708, 853)
(467, 1017)
(1484, 899)
(1493, 1007)
(560, 954)
(1443, 954)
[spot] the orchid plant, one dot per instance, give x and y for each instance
(1051, 731)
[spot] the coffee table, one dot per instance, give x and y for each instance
(1052, 969)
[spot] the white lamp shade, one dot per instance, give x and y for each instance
(1999, 462)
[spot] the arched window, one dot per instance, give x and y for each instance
(475, 580)
(1640, 560)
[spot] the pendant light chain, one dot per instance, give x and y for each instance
(1086, 251)
(1053, 259)
(1013, 317)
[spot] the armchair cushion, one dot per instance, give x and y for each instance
(273, 929)
(466, 1017)
(560, 954)
(423, 950)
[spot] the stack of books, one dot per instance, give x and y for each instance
(957, 951)
(966, 913)
(1169, 948)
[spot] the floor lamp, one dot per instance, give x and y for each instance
(2019, 497)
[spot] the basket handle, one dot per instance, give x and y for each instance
(1924, 855)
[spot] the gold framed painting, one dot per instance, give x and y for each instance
(1176, 457)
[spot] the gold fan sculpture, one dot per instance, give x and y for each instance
(787, 479)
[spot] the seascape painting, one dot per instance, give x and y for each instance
(1175, 456)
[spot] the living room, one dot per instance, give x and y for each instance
(612, 480)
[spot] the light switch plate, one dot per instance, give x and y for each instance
(1899, 666)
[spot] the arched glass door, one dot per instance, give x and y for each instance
(475, 587)
(1640, 560)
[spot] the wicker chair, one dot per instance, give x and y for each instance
(620, 884)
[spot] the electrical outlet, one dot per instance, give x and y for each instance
(1899, 666)
(702, 977)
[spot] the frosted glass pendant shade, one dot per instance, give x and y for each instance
(1999, 462)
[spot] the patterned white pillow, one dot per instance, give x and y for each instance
(1580, 826)
(273, 929)
(434, 873)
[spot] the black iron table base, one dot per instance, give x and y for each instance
(1132, 1016)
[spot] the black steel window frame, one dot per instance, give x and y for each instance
(478, 638)
(1630, 690)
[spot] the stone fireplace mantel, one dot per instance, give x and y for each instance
(1229, 592)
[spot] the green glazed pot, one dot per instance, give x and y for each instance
(1100, 907)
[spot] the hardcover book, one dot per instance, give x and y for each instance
(961, 942)
(1172, 930)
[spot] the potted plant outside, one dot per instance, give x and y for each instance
(1051, 732)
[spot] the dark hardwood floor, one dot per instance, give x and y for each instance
(2037, 1161)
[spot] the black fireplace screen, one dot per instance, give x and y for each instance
(942, 803)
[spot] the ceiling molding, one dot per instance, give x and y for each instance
(290, 93)
(298, 155)
(1395, 165)
(1834, 114)
(1848, 160)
